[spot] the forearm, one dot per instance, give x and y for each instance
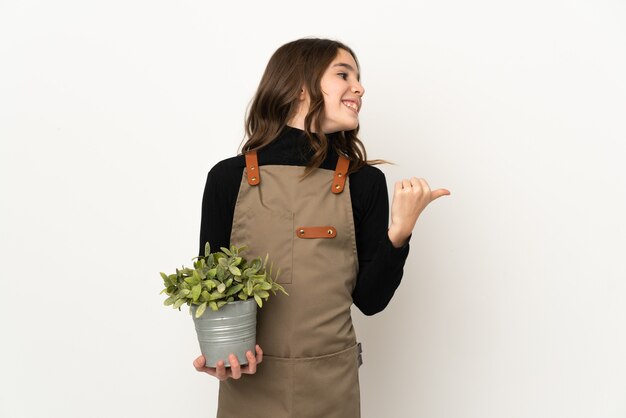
(379, 277)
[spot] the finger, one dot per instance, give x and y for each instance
(235, 367)
(406, 184)
(438, 193)
(398, 186)
(425, 185)
(251, 367)
(199, 363)
(220, 372)
(259, 354)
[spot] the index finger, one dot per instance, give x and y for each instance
(259, 354)
(199, 363)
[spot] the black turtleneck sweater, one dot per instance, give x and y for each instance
(380, 263)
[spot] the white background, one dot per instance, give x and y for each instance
(512, 302)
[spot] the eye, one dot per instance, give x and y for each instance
(343, 75)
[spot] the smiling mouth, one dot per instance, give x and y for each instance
(351, 105)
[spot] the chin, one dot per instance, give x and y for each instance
(342, 126)
(351, 126)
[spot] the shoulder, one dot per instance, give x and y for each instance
(368, 188)
(225, 176)
(367, 179)
(228, 167)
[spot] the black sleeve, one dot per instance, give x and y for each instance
(380, 263)
(218, 206)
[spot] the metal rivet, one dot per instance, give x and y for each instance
(251, 167)
(302, 231)
(253, 178)
(339, 174)
(337, 186)
(330, 232)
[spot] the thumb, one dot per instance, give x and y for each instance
(435, 194)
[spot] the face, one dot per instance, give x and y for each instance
(342, 94)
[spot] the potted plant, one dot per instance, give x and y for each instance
(231, 288)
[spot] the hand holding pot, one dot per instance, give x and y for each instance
(235, 370)
(410, 197)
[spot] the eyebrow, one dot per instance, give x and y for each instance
(349, 67)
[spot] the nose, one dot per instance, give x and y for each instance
(358, 89)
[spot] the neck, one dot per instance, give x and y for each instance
(298, 123)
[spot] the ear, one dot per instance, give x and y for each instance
(302, 93)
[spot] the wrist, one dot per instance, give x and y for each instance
(397, 237)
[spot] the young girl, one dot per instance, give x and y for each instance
(303, 191)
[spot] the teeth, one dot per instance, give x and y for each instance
(350, 105)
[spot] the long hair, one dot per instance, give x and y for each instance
(297, 63)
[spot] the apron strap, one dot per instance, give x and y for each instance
(340, 175)
(252, 168)
(254, 174)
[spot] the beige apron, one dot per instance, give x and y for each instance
(311, 358)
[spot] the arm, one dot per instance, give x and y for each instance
(217, 210)
(218, 206)
(376, 285)
(381, 263)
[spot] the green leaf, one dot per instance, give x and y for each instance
(228, 282)
(212, 273)
(184, 292)
(262, 293)
(216, 295)
(230, 299)
(221, 303)
(249, 287)
(165, 277)
(200, 309)
(202, 273)
(195, 292)
(234, 270)
(207, 250)
(205, 295)
(226, 251)
(242, 296)
(266, 286)
(213, 306)
(178, 303)
(276, 286)
(259, 301)
(236, 288)
(221, 287)
(169, 301)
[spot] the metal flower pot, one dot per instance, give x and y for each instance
(230, 329)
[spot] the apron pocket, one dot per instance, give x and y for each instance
(273, 235)
(327, 386)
